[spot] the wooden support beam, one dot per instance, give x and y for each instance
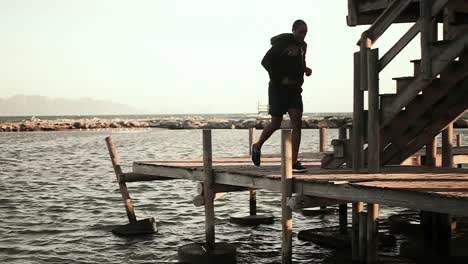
(299, 202)
(356, 210)
(221, 188)
(459, 140)
(286, 193)
(362, 236)
(388, 17)
(208, 193)
(122, 186)
(358, 115)
(447, 146)
(372, 232)
(352, 13)
(431, 153)
(343, 217)
(323, 139)
(139, 177)
(373, 128)
(426, 38)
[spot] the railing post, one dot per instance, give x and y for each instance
(358, 112)
(373, 125)
(427, 37)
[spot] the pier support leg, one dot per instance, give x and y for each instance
(362, 236)
(372, 232)
(459, 143)
(286, 193)
(208, 191)
(343, 218)
(357, 209)
(209, 252)
(323, 139)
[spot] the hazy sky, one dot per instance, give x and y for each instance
(178, 56)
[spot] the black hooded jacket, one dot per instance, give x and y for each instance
(285, 62)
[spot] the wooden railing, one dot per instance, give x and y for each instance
(367, 67)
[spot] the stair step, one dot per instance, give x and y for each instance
(403, 82)
(386, 100)
(439, 46)
(417, 67)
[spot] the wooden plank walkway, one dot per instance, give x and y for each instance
(443, 190)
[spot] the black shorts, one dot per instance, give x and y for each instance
(281, 102)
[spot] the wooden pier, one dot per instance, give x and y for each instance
(441, 190)
(389, 157)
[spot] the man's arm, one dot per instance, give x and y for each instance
(270, 59)
(307, 70)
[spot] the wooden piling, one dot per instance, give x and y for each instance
(373, 128)
(343, 208)
(362, 236)
(252, 138)
(208, 191)
(372, 231)
(431, 153)
(459, 140)
(343, 218)
(358, 114)
(342, 132)
(286, 193)
(356, 210)
(447, 143)
(323, 139)
(252, 193)
(122, 185)
(459, 143)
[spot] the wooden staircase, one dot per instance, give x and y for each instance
(398, 125)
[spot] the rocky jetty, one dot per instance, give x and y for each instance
(189, 122)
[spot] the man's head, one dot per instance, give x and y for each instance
(299, 30)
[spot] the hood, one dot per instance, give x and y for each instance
(282, 38)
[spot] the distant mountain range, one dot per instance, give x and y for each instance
(24, 105)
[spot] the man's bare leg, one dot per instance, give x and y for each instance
(274, 125)
(296, 124)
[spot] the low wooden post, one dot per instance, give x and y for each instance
(459, 140)
(357, 209)
(373, 128)
(208, 191)
(372, 232)
(286, 193)
(122, 186)
(459, 143)
(323, 139)
(362, 236)
(252, 193)
(447, 150)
